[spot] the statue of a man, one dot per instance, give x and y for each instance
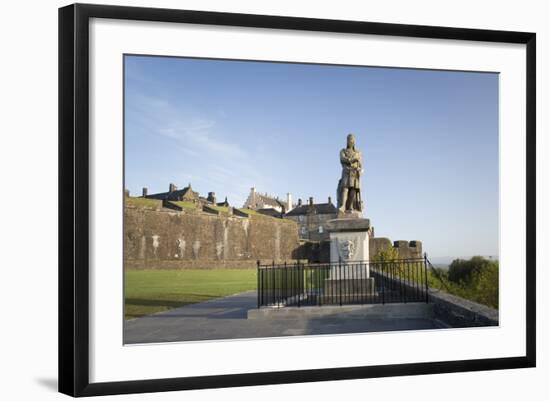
(349, 194)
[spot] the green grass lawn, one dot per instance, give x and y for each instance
(248, 211)
(185, 204)
(150, 291)
(223, 209)
(143, 202)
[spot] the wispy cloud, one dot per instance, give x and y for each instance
(213, 160)
(195, 131)
(198, 135)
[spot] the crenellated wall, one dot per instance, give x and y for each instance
(193, 239)
(405, 249)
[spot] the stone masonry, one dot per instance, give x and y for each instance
(405, 249)
(165, 238)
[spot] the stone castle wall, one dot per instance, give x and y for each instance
(191, 239)
(405, 249)
(168, 239)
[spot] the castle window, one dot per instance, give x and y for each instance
(320, 229)
(301, 218)
(303, 230)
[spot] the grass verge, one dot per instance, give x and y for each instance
(151, 291)
(185, 204)
(143, 202)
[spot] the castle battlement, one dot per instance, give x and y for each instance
(401, 244)
(406, 249)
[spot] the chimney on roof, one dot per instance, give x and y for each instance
(330, 200)
(311, 200)
(251, 202)
(144, 192)
(299, 201)
(172, 188)
(288, 202)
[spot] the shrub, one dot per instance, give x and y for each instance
(475, 279)
(485, 285)
(462, 270)
(387, 254)
(384, 258)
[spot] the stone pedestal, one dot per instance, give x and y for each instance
(349, 239)
(355, 288)
(349, 256)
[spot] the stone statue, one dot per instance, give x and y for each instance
(349, 193)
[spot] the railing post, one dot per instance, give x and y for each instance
(426, 275)
(285, 287)
(293, 281)
(339, 286)
(272, 277)
(299, 284)
(319, 285)
(276, 284)
(258, 289)
(384, 282)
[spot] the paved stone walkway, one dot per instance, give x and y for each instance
(225, 318)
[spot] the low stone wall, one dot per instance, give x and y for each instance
(453, 311)
(191, 239)
(459, 312)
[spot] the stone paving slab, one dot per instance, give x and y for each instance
(226, 318)
(421, 310)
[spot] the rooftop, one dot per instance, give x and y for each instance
(316, 208)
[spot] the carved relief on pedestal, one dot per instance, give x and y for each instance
(346, 248)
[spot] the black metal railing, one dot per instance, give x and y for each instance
(437, 275)
(360, 282)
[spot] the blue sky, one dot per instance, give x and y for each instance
(429, 140)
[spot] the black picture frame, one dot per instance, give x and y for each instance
(74, 198)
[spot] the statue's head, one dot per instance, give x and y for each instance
(351, 141)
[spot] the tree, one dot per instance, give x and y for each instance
(462, 270)
(386, 260)
(386, 255)
(475, 279)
